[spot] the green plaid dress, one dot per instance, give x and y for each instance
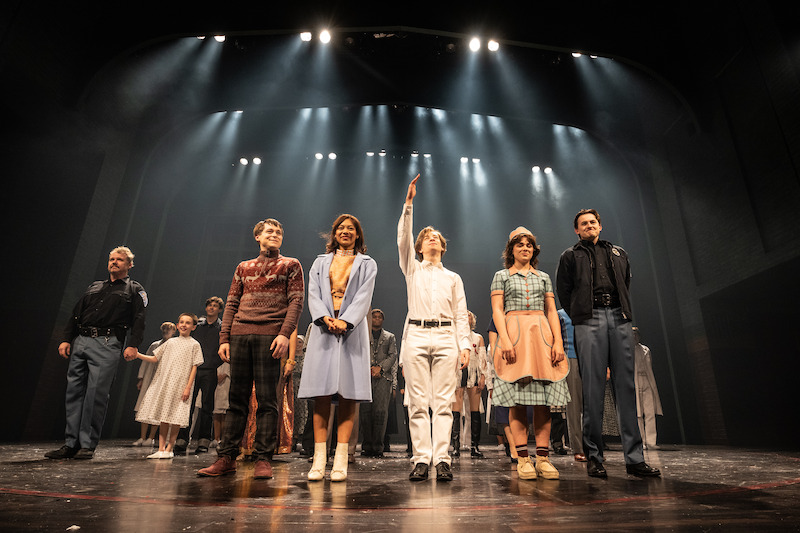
(526, 293)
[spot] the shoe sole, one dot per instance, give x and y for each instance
(206, 474)
(548, 476)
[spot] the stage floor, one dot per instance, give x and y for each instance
(701, 489)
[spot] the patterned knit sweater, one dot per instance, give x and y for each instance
(265, 298)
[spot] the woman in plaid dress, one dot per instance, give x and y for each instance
(530, 363)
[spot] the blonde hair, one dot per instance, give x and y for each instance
(124, 250)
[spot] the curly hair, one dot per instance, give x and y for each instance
(508, 252)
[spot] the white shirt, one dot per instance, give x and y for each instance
(433, 291)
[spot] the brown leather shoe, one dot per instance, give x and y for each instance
(580, 458)
(223, 465)
(262, 470)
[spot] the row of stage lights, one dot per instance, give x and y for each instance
(325, 37)
(332, 156)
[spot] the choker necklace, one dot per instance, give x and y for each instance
(345, 253)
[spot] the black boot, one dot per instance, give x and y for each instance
(475, 423)
(455, 437)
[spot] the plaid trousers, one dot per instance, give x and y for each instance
(252, 363)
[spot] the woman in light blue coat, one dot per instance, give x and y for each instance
(336, 364)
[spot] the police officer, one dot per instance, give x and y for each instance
(93, 340)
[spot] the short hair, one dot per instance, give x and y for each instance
(124, 250)
(259, 227)
(508, 252)
(166, 326)
(190, 315)
(217, 300)
(585, 212)
(473, 317)
(332, 245)
(376, 310)
(424, 233)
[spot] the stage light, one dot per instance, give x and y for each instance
(415, 154)
(593, 57)
(576, 54)
(219, 38)
(201, 37)
(331, 156)
(370, 154)
(325, 36)
(256, 160)
(305, 36)
(493, 46)
(536, 168)
(548, 170)
(427, 156)
(476, 160)
(475, 44)
(465, 159)
(243, 161)
(318, 155)
(382, 153)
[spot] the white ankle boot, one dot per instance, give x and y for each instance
(317, 472)
(339, 470)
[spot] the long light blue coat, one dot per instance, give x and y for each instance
(339, 363)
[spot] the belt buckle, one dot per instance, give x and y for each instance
(605, 299)
(93, 331)
(432, 323)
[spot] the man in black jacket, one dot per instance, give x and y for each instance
(593, 283)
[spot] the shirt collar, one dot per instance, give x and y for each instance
(513, 270)
(426, 264)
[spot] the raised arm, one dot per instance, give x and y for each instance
(405, 240)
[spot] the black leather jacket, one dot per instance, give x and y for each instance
(574, 280)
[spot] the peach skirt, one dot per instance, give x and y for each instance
(532, 339)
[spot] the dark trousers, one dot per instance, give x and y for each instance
(205, 381)
(373, 416)
(606, 341)
(92, 367)
(252, 363)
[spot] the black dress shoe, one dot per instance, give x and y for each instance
(201, 449)
(642, 470)
(65, 452)
(420, 472)
(596, 469)
(443, 472)
(84, 453)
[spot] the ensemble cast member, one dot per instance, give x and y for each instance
(593, 283)
(166, 403)
(262, 309)
(207, 334)
(383, 369)
(336, 365)
(472, 380)
(575, 405)
(648, 401)
(436, 328)
(144, 378)
(529, 360)
(93, 340)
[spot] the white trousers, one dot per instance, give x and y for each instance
(430, 359)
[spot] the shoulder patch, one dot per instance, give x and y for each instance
(615, 251)
(143, 294)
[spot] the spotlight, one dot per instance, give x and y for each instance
(476, 160)
(414, 153)
(370, 154)
(475, 44)
(325, 36)
(593, 57)
(219, 38)
(331, 156)
(382, 153)
(305, 36)
(493, 46)
(243, 161)
(201, 37)
(318, 155)
(548, 170)
(576, 54)
(450, 48)
(536, 168)
(427, 156)
(465, 159)
(256, 160)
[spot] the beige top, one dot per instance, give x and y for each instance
(339, 275)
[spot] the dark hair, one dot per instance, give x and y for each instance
(217, 300)
(190, 315)
(508, 253)
(332, 245)
(258, 229)
(585, 212)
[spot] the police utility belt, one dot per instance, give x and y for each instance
(429, 323)
(605, 300)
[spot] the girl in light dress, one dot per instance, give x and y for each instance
(166, 402)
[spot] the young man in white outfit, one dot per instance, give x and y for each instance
(436, 329)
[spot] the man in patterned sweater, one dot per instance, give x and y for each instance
(263, 308)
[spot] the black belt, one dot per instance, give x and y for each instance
(429, 323)
(97, 332)
(605, 300)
